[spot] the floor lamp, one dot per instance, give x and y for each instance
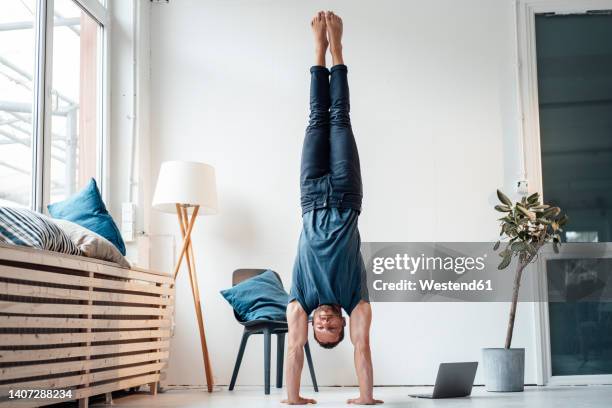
(188, 189)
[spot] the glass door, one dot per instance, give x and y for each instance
(574, 76)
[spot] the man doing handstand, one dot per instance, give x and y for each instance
(329, 273)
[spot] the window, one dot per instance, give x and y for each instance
(574, 74)
(574, 57)
(51, 141)
(565, 76)
(17, 39)
(74, 124)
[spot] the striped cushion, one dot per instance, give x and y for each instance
(24, 227)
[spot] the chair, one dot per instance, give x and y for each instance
(267, 328)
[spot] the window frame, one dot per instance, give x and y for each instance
(529, 139)
(43, 80)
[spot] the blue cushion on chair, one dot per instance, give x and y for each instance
(259, 297)
(87, 209)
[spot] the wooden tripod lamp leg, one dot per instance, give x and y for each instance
(186, 232)
(186, 226)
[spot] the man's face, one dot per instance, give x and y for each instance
(327, 322)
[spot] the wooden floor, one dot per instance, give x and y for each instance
(253, 397)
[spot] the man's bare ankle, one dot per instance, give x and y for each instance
(337, 59)
(336, 51)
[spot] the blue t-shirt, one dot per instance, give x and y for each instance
(328, 267)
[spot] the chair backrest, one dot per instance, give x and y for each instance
(240, 275)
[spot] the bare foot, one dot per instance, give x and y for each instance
(319, 29)
(334, 32)
(299, 401)
(364, 401)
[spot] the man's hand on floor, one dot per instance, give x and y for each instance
(299, 401)
(364, 401)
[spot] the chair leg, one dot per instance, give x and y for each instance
(267, 351)
(243, 343)
(311, 367)
(280, 356)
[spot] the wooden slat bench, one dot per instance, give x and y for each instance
(81, 325)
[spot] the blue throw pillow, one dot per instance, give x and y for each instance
(87, 209)
(259, 297)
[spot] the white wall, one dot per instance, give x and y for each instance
(434, 111)
(130, 31)
(121, 96)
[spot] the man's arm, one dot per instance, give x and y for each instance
(298, 335)
(360, 320)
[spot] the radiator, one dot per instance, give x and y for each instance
(73, 327)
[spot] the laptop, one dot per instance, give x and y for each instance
(453, 380)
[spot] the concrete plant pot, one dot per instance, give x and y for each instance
(504, 369)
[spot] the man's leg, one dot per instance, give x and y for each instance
(344, 157)
(315, 152)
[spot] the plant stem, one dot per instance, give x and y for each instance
(515, 291)
(520, 266)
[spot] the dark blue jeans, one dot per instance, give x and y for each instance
(330, 172)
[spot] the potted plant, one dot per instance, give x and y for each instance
(525, 228)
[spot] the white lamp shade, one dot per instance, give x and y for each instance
(187, 183)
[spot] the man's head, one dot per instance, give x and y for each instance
(328, 325)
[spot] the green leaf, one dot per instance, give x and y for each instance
(518, 246)
(505, 253)
(504, 198)
(502, 208)
(525, 211)
(534, 197)
(504, 263)
(496, 246)
(509, 230)
(552, 212)
(531, 249)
